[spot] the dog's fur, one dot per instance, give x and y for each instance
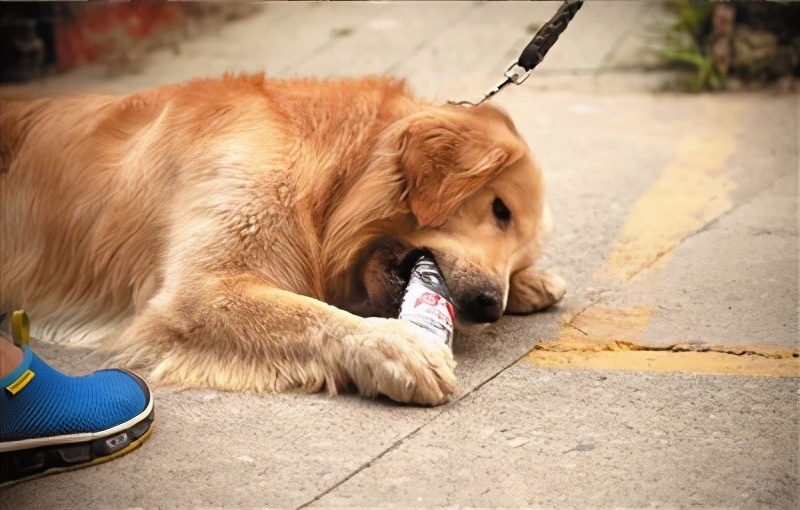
(234, 233)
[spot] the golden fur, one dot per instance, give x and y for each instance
(233, 233)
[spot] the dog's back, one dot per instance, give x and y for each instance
(91, 185)
(79, 227)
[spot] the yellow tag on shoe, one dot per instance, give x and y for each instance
(21, 382)
(20, 328)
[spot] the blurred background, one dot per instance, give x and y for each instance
(717, 45)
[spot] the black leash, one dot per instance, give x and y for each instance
(534, 52)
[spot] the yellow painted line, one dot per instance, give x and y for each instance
(691, 192)
(713, 363)
(603, 338)
(605, 324)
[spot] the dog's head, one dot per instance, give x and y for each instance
(474, 199)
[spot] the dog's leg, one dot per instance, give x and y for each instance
(245, 335)
(534, 289)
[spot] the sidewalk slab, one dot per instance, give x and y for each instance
(748, 297)
(562, 439)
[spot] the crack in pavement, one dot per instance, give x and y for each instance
(602, 338)
(367, 464)
(596, 343)
(626, 346)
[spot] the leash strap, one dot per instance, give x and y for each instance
(547, 35)
(534, 52)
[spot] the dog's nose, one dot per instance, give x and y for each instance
(486, 306)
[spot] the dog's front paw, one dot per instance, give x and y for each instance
(534, 289)
(397, 359)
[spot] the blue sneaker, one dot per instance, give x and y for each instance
(51, 422)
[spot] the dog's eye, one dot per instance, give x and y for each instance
(501, 212)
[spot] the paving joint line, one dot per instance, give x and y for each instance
(367, 464)
(570, 324)
(411, 434)
(617, 44)
(465, 15)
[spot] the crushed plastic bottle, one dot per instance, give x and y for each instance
(427, 301)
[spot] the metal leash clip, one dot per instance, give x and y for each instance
(519, 70)
(514, 73)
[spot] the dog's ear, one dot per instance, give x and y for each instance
(445, 160)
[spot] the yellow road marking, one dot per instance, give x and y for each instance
(604, 338)
(690, 193)
(714, 363)
(604, 324)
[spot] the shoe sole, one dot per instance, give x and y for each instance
(31, 458)
(20, 466)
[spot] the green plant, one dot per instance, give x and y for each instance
(685, 44)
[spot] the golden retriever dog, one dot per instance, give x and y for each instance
(243, 233)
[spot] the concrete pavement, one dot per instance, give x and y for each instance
(667, 377)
